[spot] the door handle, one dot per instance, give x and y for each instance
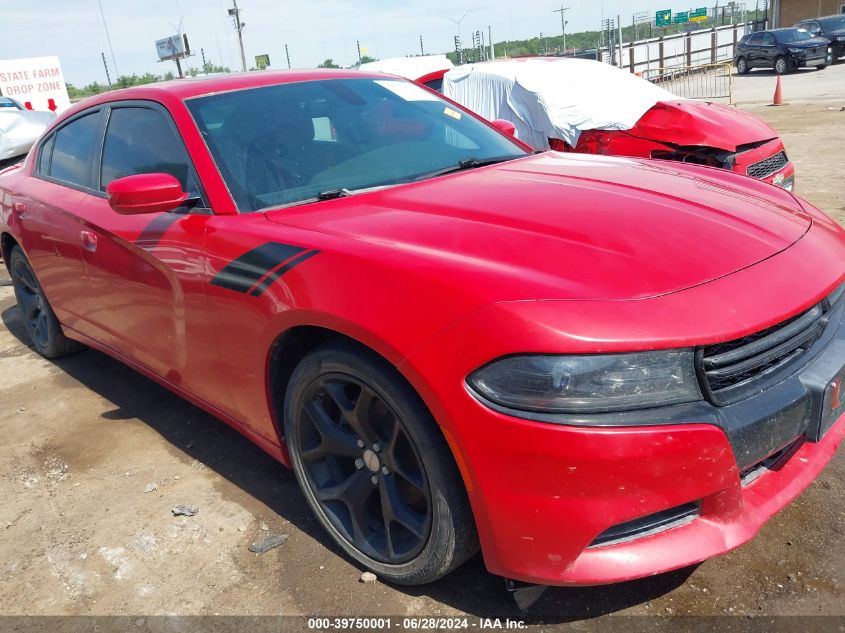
(89, 240)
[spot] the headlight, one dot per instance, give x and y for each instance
(589, 383)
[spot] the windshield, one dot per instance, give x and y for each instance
(792, 35)
(5, 102)
(834, 23)
(289, 143)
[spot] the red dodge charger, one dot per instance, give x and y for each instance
(594, 368)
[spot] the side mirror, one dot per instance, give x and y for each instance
(504, 126)
(145, 193)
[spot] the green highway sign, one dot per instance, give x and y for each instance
(262, 61)
(682, 17)
(699, 15)
(663, 18)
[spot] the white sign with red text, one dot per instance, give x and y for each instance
(36, 82)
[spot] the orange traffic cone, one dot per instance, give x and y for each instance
(778, 99)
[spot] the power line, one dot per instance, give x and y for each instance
(108, 38)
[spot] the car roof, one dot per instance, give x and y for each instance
(410, 67)
(187, 89)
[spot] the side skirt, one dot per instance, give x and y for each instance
(272, 448)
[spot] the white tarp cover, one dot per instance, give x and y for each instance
(554, 98)
(409, 67)
(19, 129)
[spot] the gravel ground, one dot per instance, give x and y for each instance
(84, 532)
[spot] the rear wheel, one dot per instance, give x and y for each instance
(374, 466)
(742, 66)
(39, 320)
(781, 65)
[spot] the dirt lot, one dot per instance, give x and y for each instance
(83, 438)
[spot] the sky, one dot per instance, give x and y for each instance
(313, 30)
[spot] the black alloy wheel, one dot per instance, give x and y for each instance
(31, 301)
(363, 469)
(39, 320)
(374, 465)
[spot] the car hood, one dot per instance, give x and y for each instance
(698, 123)
(556, 226)
(813, 43)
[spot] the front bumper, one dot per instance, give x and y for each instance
(810, 59)
(782, 177)
(578, 483)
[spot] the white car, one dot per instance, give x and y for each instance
(19, 129)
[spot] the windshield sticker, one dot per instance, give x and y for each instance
(452, 113)
(406, 90)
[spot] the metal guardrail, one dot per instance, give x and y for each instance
(707, 81)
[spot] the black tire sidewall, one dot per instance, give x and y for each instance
(439, 553)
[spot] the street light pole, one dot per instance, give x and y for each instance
(562, 11)
(458, 24)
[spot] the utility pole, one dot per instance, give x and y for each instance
(492, 49)
(422, 50)
(204, 63)
(106, 66)
(287, 54)
(235, 13)
(619, 26)
(562, 11)
(358, 44)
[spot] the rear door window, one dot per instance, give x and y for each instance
(141, 141)
(74, 150)
(44, 156)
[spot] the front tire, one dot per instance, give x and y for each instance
(781, 65)
(39, 320)
(742, 67)
(374, 466)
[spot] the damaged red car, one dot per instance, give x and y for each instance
(577, 105)
(592, 368)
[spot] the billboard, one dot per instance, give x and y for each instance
(170, 47)
(37, 82)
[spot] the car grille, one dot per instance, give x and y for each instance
(766, 168)
(728, 368)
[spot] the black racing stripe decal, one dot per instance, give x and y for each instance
(269, 280)
(247, 270)
(155, 230)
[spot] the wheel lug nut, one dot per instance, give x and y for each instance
(360, 443)
(385, 470)
(374, 479)
(376, 447)
(359, 463)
